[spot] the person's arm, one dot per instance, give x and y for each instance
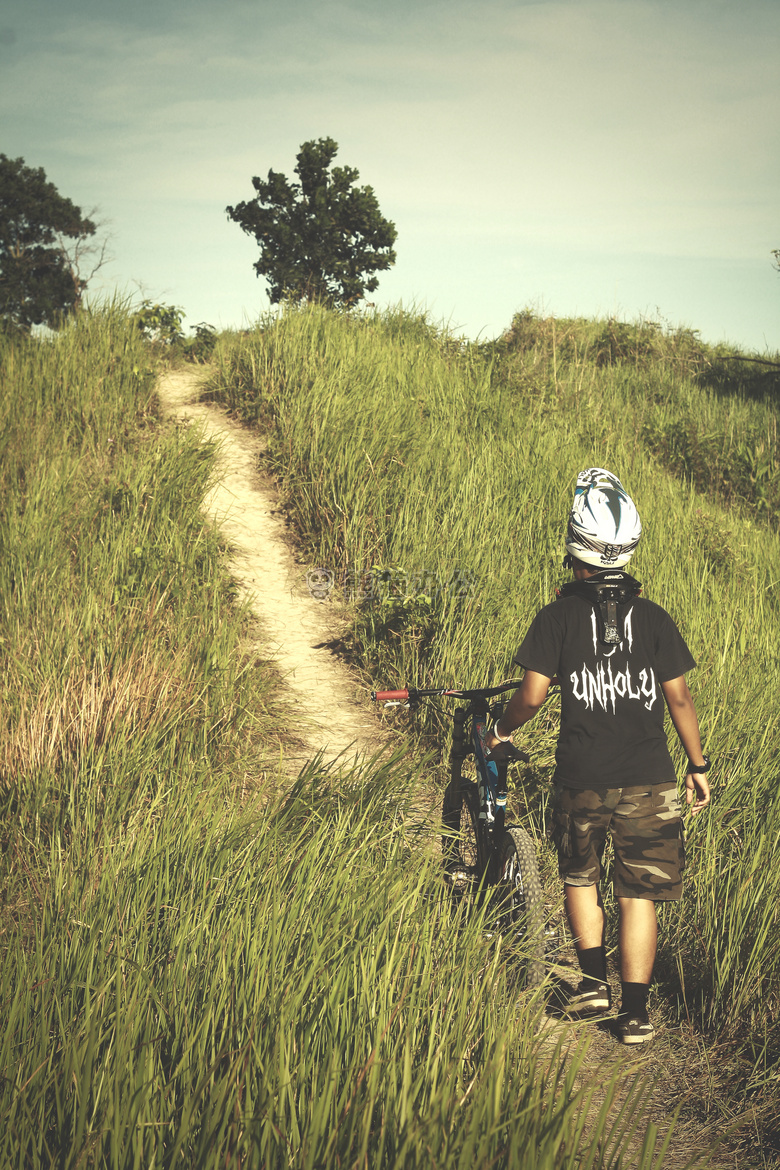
(683, 715)
(523, 705)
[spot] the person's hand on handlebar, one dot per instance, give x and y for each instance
(497, 749)
(493, 743)
(503, 749)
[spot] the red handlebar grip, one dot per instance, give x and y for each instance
(380, 696)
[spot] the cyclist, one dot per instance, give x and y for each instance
(617, 657)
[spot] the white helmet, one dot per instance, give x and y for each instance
(604, 526)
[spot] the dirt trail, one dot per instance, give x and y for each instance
(327, 716)
(331, 717)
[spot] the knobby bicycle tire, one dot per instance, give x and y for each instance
(520, 898)
(460, 839)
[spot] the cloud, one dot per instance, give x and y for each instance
(513, 135)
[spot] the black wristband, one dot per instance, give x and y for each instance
(705, 766)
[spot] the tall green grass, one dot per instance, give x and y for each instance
(283, 990)
(708, 414)
(194, 974)
(406, 457)
(116, 620)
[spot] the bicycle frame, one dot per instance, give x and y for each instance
(491, 772)
(482, 854)
(491, 777)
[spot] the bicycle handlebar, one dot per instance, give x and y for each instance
(413, 693)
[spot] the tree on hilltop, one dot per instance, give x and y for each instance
(45, 241)
(319, 238)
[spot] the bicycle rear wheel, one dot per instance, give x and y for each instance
(520, 899)
(460, 836)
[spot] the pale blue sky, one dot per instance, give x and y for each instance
(579, 156)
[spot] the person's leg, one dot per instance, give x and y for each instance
(585, 913)
(648, 864)
(580, 825)
(638, 935)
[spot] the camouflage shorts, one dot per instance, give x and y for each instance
(646, 830)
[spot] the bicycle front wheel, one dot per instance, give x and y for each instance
(460, 836)
(520, 898)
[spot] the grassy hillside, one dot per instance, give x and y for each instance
(434, 478)
(189, 978)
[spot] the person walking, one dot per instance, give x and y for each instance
(618, 658)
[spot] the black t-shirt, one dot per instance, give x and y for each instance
(612, 707)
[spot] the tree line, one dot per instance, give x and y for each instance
(321, 237)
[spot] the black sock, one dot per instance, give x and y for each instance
(633, 999)
(593, 964)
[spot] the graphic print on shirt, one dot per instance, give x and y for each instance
(628, 633)
(605, 685)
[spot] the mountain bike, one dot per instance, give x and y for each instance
(483, 855)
